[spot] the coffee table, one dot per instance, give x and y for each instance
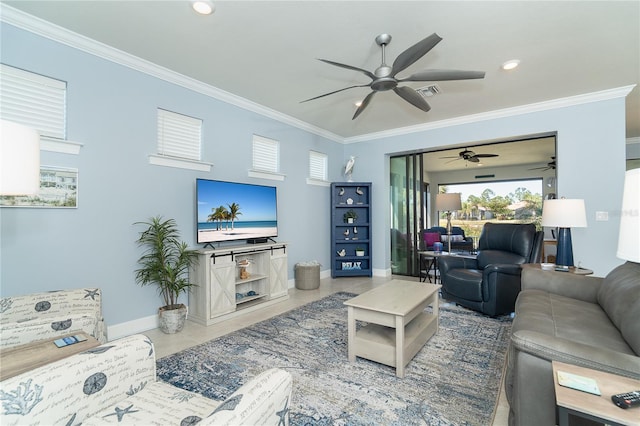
(397, 324)
(18, 359)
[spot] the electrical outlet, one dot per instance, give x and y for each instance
(602, 216)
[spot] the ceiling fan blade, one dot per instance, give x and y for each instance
(349, 67)
(363, 105)
(473, 159)
(335, 91)
(415, 52)
(486, 155)
(443, 75)
(411, 96)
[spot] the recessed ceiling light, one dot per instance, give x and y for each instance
(203, 7)
(509, 65)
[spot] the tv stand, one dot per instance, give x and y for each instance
(237, 279)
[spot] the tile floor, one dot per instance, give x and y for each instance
(194, 334)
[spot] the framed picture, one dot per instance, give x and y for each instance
(58, 189)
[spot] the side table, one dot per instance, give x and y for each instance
(18, 359)
(594, 407)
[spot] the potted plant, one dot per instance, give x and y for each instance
(359, 251)
(350, 216)
(165, 263)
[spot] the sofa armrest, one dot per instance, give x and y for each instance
(566, 284)
(264, 400)
(75, 388)
(553, 348)
(446, 263)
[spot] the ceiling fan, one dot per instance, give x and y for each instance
(551, 165)
(384, 77)
(470, 156)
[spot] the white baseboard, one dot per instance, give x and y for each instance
(128, 328)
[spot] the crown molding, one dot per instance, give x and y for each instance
(619, 92)
(64, 36)
(61, 35)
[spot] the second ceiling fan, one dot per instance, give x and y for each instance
(384, 77)
(470, 156)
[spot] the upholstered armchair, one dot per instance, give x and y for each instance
(491, 282)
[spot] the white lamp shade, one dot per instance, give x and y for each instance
(564, 213)
(19, 159)
(629, 239)
(448, 202)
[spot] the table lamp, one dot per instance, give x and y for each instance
(19, 159)
(629, 239)
(564, 214)
(448, 203)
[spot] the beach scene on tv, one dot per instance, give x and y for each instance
(229, 211)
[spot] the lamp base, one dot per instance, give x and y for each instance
(564, 255)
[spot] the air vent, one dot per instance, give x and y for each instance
(429, 91)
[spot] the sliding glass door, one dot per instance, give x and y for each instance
(408, 212)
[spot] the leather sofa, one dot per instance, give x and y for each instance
(587, 321)
(116, 384)
(490, 283)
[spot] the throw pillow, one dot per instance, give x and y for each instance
(430, 238)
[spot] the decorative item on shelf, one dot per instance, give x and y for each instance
(628, 240)
(342, 253)
(360, 193)
(448, 203)
(243, 265)
(348, 168)
(349, 201)
(165, 263)
(341, 194)
(359, 251)
(350, 216)
(355, 232)
(346, 234)
(565, 214)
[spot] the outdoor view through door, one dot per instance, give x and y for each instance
(518, 201)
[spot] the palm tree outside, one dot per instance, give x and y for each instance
(234, 212)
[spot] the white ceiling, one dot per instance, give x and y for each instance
(265, 51)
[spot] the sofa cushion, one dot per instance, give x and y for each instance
(566, 318)
(619, 296)
(150, 406)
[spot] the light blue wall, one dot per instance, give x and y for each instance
(112, 111)
(591, 165)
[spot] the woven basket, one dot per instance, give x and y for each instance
(307, 277)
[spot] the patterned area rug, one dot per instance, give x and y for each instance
(454, 380)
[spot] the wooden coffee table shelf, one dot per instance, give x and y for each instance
(17, 360)
(397, 324)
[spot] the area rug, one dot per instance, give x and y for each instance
(453, 380)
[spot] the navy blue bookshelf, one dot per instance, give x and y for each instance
(349, 199)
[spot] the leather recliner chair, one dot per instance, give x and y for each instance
(491, 282)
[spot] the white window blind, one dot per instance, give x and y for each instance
(179, 135)
(266, 154)
(317, 165)
(33, 100)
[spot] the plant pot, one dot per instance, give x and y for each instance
(359, 253)
(349, 220)
(172, 320)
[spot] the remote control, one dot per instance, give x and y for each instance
(69, 340)
(627, 399)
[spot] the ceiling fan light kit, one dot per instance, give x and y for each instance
(510, 65)
(384, 77)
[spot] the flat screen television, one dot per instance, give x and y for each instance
(230, 211)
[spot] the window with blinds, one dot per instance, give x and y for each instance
(34, 100)
(266, 153)
(317, 165)
(179, 135)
